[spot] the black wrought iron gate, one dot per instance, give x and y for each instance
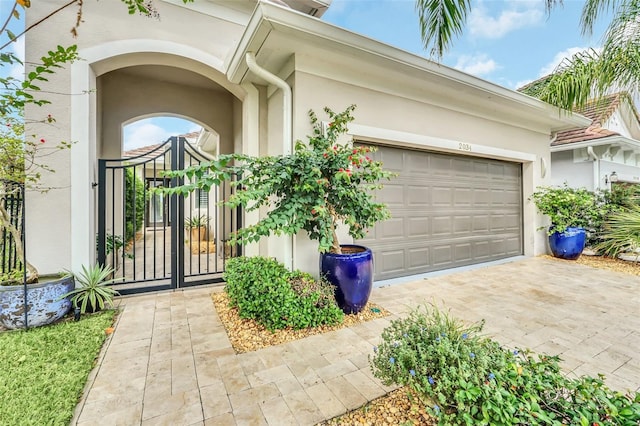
(155, 241)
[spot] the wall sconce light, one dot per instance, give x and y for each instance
(613, 177)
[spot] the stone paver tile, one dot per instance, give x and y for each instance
(360, 360)
(155, 407)
(367, 387)
(307, 377)
(235, 384)
(288, 386)
(346, 393)
(303, 408)
(270, 375)
(250, 397)
(630, 370)
(132, 348)
(275, 356)
(336, 369)
(277, 413)
(124, 407)
(250, 416)
(620, 383)
(207, 370)
(214, 402)
(251, 363)
(328, 404)
(187, 415)
(132, 389)
(226, 419)
(183, 374)
(126, 367)
(158, 380)
(609, 360)
(125, 416)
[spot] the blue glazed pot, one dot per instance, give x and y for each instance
(568, 244)
(352, 275)
(44, 305)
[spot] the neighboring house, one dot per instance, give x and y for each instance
(469, 153)
(605, 151)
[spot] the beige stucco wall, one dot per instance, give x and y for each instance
(125, 97)
(109, 39)
(381, 105)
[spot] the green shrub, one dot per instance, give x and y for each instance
(134, 204)
(265, 290)
(465, 378)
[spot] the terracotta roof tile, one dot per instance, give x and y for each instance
(599, 112)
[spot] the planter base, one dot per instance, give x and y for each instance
(568, 244)
(352, 275)
(43, 303)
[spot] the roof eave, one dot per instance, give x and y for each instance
(268, 17)
(616, 139)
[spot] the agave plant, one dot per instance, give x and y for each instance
(621, 233)
(92, 289)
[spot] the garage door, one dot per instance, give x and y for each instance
(447, 211)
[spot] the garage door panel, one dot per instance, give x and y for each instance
(417, 195)
(441, 196)
(389, 262)
(442, 255)
(447, 211)
(441, 225)
(418, 257)
(418, 227)
(462, 224)
(391, 194)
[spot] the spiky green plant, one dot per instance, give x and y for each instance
(621, 233)
(92, 288)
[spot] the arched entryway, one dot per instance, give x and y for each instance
(134, 85)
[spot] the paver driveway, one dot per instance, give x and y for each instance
(169, 360)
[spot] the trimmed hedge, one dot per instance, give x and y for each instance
(265, 290)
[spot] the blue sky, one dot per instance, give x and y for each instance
(508, 42)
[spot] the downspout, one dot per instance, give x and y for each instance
(287, 131)
(287, 103)
(596, 167)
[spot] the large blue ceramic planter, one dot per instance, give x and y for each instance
(352, 275)
(568, 244)
(44, 305)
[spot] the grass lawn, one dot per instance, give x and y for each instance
(43, 370)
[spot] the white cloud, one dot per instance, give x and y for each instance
(143, 133)
(476, 64)
(17, 48)
(558, 58)
(481, 24)
(520, 84)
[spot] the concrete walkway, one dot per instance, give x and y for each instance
(169, 361)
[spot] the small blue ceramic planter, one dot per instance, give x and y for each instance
(44, 305)
(568, 244)
(352, 274)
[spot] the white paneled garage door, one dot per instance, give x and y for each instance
(447, 211)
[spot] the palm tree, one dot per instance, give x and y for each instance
(587, 75)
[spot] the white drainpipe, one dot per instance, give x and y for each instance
(596, 167)
(287, 103)
(287, 131)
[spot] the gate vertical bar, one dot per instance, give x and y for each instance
(102, 211)
(180, 216)
(177, 218)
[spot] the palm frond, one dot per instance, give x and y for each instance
(590, 12)
(621, 233)
(572, 84)
(440, 22)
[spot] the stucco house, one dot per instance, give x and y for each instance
(602, 153)
(469, 153)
